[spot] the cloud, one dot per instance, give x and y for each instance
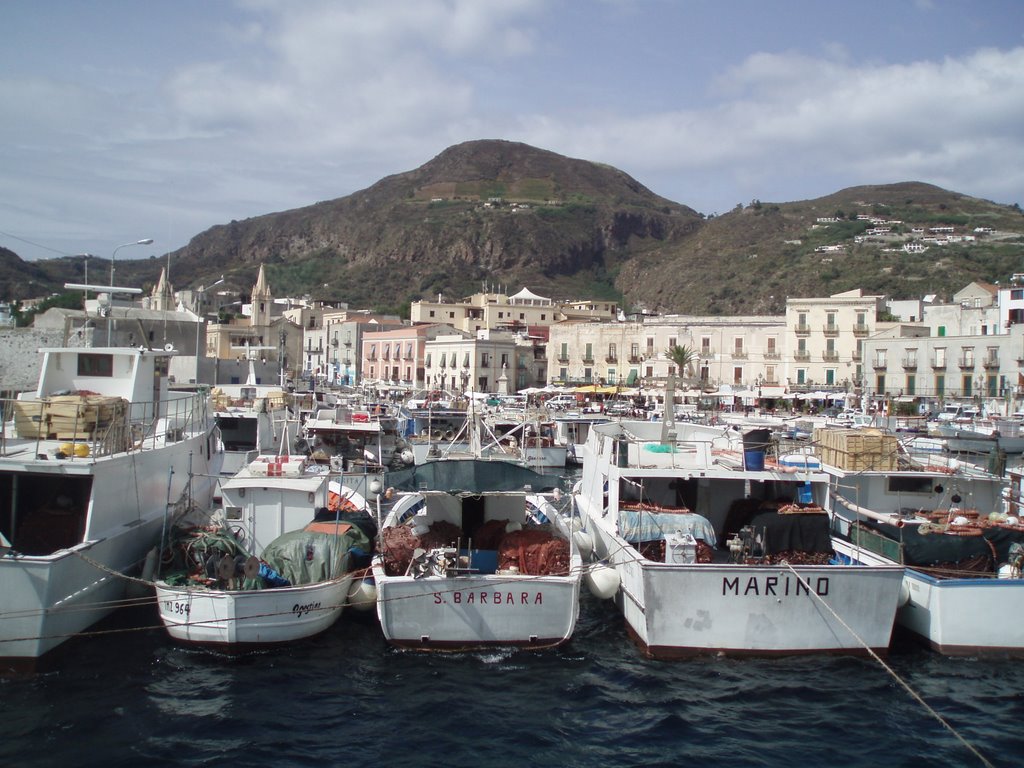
(793, 117)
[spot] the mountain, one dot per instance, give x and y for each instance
(507, 214)
(750, 260)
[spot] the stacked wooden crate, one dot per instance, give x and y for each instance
(857, 449)
(68, 417)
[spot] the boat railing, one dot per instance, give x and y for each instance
(84, 431)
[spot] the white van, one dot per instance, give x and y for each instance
(563, 402)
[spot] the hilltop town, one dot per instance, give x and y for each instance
(918, 352)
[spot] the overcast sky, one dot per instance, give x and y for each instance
(124, 120)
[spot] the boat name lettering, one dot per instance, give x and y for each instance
(300, 610)
(488, 598)
(182, 609)
(774, 586)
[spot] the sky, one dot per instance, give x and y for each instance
(123, 120)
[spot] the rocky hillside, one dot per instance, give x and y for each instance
(483, 211)
(507, 214)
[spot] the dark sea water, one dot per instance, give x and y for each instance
(134, 698)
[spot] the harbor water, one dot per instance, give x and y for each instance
(131, 697)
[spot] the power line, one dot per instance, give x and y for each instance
(36, 245)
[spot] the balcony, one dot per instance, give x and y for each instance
(991, 363)
(909, 362)
(879, 364)
(831, 329)
(611, 359)
(857, 356)
(588, 360)
(772, 355)
(563, 358)
(939, 365)
(860, 329)
(966, 363)
(830, 357)
(803, 355)
(739, 354)
(635, 359)
(803, 328)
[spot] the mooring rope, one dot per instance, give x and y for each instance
(895, 675)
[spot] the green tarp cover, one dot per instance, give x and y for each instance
(306, 557)
(934, 548)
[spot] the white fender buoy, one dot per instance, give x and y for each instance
(602, 581)
(584, 543)
(362, 594)
(904, 594)
(136, 589)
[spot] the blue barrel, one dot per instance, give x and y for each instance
(804, 495)
(753, 460)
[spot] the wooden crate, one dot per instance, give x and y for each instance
(30, 419)
(67, 417)
(857, 449)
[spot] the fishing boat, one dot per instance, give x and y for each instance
(719, 551)
(476, 556)
(572, 429)
(91, 465)
(253, 419)
(359, 442)
(273, 566)
(530, 440)
(948, 523)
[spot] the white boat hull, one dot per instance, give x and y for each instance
(46, 599)
(251, 617)
(472, 611)
(676, 610)
(958, 617)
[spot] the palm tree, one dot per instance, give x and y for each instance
(684, 357)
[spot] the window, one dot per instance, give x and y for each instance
(801, 375)
(738, 346)
(911, 384)
(940, 357)
(589, 353)
(991, 386)
(1017, 294)
(611, 353)
(769, 373)
(737, 374)
(830, 376)
(880, 383)
(95, 365)
(611, 376)
(940, 385)
(634, 351)
(672, 342)
(705, 345)
(771, 345)
(485, 360)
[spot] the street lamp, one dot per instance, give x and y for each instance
(144, 241)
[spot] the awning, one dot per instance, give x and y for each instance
(631, 379)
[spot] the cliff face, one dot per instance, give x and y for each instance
(485, 210)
